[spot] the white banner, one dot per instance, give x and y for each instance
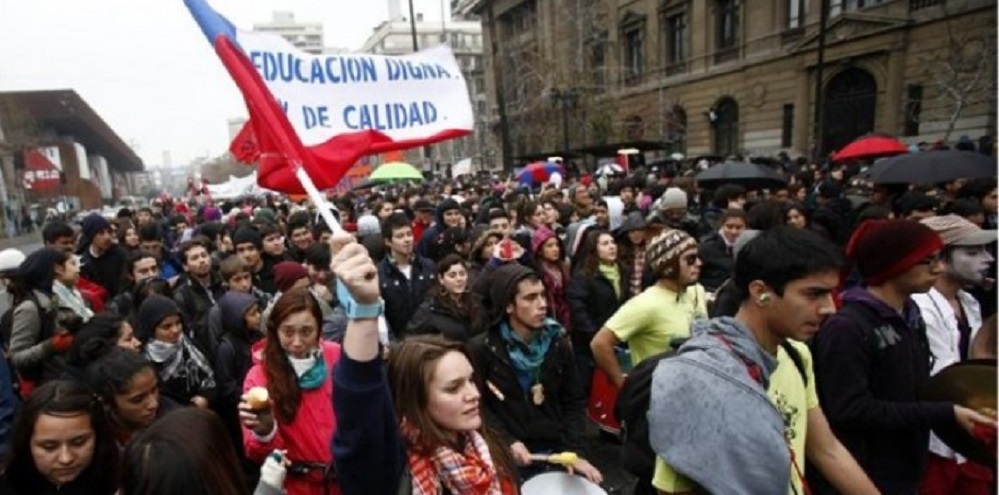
(405, 97)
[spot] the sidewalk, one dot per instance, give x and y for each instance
(21, 240)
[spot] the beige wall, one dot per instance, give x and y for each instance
(774, 67)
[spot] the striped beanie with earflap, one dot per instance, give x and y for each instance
(663, 253)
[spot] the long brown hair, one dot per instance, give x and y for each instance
(282, 383)
(187, 452)
(464, 306)
(590, 262)
(64, 399)
(410, 368)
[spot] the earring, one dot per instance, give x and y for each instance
(764, 299)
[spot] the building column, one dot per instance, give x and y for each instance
(803, 113)
(893, 94)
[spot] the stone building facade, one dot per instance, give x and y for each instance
(722, 77)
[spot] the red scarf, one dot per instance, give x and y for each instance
(466, 472)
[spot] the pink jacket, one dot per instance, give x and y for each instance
(308, 437)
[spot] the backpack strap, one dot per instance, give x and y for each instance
(796, 359)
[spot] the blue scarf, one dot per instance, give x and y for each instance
(527, 357)
(315, 375)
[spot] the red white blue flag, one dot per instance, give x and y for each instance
(324, 112)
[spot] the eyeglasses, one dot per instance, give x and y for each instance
(931, 260)
(690, 259)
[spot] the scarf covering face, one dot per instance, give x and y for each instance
(181, 360)
(311, 371)
(700, 401)
(469, 471)
(71, 299)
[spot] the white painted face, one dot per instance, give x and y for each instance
(969, 264)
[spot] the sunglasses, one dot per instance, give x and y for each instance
(690, 259)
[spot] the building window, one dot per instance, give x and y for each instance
(837, 7)
(676, 39)
(913, 109)
(796, 13)
(787, 126)
(676, 129)
(633, 55)
(519, 20)
(727, 39)
(725, 120)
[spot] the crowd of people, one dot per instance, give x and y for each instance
(448, 337)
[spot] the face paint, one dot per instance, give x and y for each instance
(969, 264)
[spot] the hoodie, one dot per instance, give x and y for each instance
(701, 399)
(438, 228)
(233, 356)
(870, 364)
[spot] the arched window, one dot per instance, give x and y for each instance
(726, 127)
(848, 108)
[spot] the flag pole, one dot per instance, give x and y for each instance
(317, 198)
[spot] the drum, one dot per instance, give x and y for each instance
(603, 395)
(560, 483)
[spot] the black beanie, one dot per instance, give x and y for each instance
(154, 310)
(246, 234)
(504, 286)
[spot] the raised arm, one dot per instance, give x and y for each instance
(366, 447)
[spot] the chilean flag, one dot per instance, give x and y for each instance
(353, 105)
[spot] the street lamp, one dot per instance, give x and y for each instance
(566, 98)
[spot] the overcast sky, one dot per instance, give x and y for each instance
(145, 67)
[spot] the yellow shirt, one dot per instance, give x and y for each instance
(792, 399)
(650, 320)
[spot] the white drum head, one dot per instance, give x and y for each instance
(560, 483)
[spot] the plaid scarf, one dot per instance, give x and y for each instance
(468, 472)
(638, 272)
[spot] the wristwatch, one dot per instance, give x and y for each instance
(354, 310)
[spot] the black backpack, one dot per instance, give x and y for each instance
(633, 404)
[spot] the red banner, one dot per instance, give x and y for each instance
(40, 173)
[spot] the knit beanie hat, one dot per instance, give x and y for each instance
(286, 273)
(245, 235)
(93, 224)
(504, 286)
(265, 214)
(884, 249)
(663, 254)
(674, 197)
(154, 309)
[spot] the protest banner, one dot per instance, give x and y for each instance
(326, 111)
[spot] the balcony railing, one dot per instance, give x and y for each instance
(726, 54)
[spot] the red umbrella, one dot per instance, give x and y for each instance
(539, 172)
(870, 146)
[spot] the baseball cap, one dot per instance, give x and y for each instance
(957, 231)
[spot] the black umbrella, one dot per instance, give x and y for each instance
(931, 167)
(749, 175)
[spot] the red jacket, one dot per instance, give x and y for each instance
(308, 437)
